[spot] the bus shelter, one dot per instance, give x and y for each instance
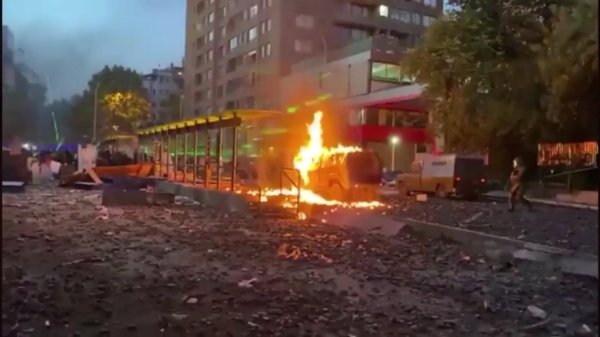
(201, 151)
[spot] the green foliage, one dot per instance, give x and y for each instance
(106, 83)
(499, 73)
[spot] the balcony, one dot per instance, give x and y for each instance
(383, 49)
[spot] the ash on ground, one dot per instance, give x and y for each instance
(74, 268)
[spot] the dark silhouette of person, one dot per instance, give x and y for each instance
(518, 186)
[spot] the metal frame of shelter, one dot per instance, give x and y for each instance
(169, 136)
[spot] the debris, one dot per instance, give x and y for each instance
(537, 312)
(88, 260)
(247, 283)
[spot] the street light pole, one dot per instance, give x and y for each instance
(393, 141)
(324, 41)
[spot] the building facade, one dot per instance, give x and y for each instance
(8, 59)
(367, 98)
(165, 90)
(237, 51)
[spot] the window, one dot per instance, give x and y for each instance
(253, 11)
(305, 21)
(224, 12)
(250, 58)
(252, 33)
(223, 31)
(428, 20)
(358, 10)
(384, 10)
(265, 50)
(303, 46)
(322, 78)
(430, 3)
(233, 43)
(211, 17)
(358, 34)
(211, 35)
(405, 16)
(211, 1)
(266, 3)
(420, 148)
(209, 55)
(209, 74)
(265, 26)
(416, 18)
(208, 93)
(389, 72)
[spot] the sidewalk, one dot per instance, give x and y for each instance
(552, 202)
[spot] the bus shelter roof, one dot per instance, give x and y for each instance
(118, 137)
(213, 121)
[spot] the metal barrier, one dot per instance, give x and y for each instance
(296, 184)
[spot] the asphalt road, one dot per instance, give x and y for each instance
(73, 268)
(569, 228)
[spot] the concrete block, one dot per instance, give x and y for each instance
(13, 187)
(221, 200)
(87, 186)
(115, 197)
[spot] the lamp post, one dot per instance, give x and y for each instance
(96, 108)
(394, 140)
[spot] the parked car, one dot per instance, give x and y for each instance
(388, 179)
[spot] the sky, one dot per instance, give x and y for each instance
(67, 41)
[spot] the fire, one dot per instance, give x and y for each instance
(311, 154)
(307, 160)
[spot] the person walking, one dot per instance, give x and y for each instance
(518, 186)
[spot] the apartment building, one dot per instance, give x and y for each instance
(163, 85)
(237, 51)
(8, 59)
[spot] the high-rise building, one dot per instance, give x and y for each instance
(8, 59)
(164, 86)
(237, 51)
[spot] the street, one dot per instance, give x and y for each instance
(568, 228)
(74, 268)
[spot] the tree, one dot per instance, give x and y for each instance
(569, 66)
(126, 111)
(121, 104)
(481, 67)
(170, 110)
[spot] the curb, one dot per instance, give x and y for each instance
(547, 202)
(502, 247)
(220, 200)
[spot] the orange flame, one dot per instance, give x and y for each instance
(308, 159)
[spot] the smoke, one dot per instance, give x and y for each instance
(66, 41)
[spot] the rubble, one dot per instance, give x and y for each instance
(186, 270)
(562, 227)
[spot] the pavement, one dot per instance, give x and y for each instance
(562, 227)
(74, 268)
(581, 200)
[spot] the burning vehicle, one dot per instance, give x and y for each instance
(342, 176)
